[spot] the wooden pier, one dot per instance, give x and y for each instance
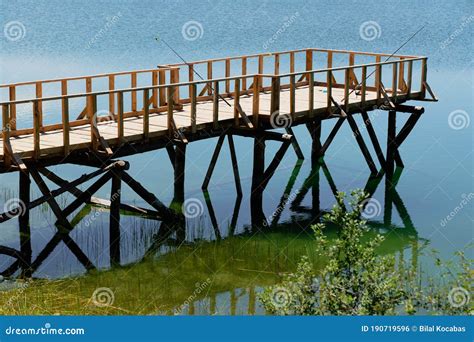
(255, 96)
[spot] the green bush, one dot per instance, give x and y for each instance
(357, 281)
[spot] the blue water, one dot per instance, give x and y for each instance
(59, 41)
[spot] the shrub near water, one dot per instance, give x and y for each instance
(357, 281)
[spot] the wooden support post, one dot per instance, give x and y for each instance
(378, 79)
(329, 92)
(215, 105)
(193, 97)
(277, 64)
(373, 138)
(361, 143)
(174, 78)
(24, 224)
(190, 77)
(391, 144)
(260, 64)
(65, 117)
(292, 62)
(235, 165)
(347, 79)
(179, 172)
(12, 97)
(309, 61)
(114, 227)
(256, 100)
(112, 95)
(409, 76)
(363, 89)
(93, 122)
(424, 69)
(256, 197)
(212, 164)
(316, 148)
(394, 82)
(146, 113)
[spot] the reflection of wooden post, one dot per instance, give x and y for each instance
(24, 224)
(114, 231)
(315, 131)
(256, 197)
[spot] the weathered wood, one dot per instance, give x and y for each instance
(378, 79)
(114, 222)
(193, 97)
(12, 97)
(170, 100)
(120, 114)
(235, 165)
(391, 143)
(275, 96)
(277, 64)
(111, 94)
(215, 105)
(311, 94)
(24, 224)
(346, 89)
(394, 82)
(227, 74)
(6, 134)
(373, 138)
(39, 94)
(363, 89)
(361, 143)
(133, 83)
(146, 114)
(154, 82)
(65, 119)
(331, 135)
(209, 77)
(256, 100)
(236, 102)
(36, 129)
(162, 91)
(244, 73)
(292, 96)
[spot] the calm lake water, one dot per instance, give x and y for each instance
(60, 39)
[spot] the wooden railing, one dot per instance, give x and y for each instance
(166, 93)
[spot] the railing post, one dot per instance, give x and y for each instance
(209, 77)
(347, 77)
(364, 85)
(329, 91)
(36, 129)
(275, 96)
(292, 95)
(190, 77)
(378, 78)
(39, 94)
(311, 94)
(93, 121)
(236, 101)
(65, 116)
(309, 61)
(146, 113)
(244, 73)
(12, 97)
(120, 130)
(133, 81)
(193, 107)
(6, 134)
(175, 79)
(154, 82)
(227, 74)
(162, 90)
(409, 76)
(170, 96)
(424, 68)
(277, 64)
(215, 105)
(394, 81)
(292, 61)
(256, 100)
(111, 95)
